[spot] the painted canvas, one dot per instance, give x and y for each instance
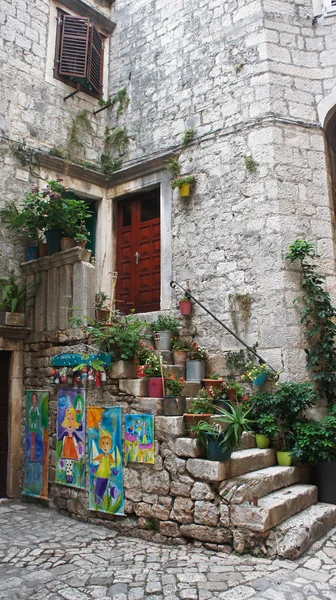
(36, 444)
(70, 457)
(139, 438)
(106, 492)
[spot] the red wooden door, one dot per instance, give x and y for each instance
(138, 253)
(4, 391)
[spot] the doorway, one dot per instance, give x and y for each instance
(4, 409)
(138, 253)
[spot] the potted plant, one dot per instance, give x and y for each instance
(195, 363)
(200, 409)
(102, 306)
(28, 222)
(233, 390)
(223, 437)
(219, 398)
(314, 444)
(185, 306)
(165, 327)
(184, 184)
(141, 357)
(174, 404)
(180, 348)
(12, 297)
(265, 428)
(256, 373)
(73, 223)
(214, 381)
(152, 371)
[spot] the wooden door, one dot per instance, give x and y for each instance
(4, 392)
(138, 253)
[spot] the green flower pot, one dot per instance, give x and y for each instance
(284, 459)
(215, 450)
(262, 441)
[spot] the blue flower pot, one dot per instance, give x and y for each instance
(32, 253)
(260, 380)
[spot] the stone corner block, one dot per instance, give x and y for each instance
(134, 387)
(206, 470)
(187, 447)
(122, 369)
(216, 535)
(169, 427)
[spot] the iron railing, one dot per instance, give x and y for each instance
(188, 294)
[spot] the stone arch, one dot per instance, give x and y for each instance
(325, 106)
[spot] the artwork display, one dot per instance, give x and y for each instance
(70, 459)
(139, 438)
(105, 460)
(36, 444)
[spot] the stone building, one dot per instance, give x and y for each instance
(256, 83)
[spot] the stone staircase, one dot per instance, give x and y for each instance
(262, 506)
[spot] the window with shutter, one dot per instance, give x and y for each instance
(79, 54)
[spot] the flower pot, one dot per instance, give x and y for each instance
(195, 370)
(67, 243)
(53, 237)
(222, 403)
(260, 380)
(102, 314)
(180, 357)
(139, 371)
(185, 190)
(324, 476)
(43, 250)
(155, 387)
(80, 244)
(232, 395)
(165, 341)
(32, 253)
(14, 319)
(174, 406)
(284, 459)
(214, 383)
(191, 419)
(185, 307)
(262, 441)
(215, 449)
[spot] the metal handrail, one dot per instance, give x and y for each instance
(188, 294)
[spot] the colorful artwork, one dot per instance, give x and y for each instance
(139, 438)
(105, 462)
(37, 444)
(70, 460)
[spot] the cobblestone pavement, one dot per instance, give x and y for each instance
(44, 555)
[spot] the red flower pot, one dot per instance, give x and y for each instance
(155, 388)
(185, 307)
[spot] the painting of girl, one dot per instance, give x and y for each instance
(70, 465)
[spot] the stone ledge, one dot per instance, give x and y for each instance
(67, 257)
(206, 470)
(134, 387)
(122, 369)
(13, 332)
(187, 447)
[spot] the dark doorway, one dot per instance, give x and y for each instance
(138, 253)
(330, 129)
(4, 394)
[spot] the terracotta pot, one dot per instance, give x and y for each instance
(214, 383)
(102, 314)
(43, 250)
(185, 307)
(232, 395)
(67, 243)
(80, 244)
(139, 371)
(155, 388)
(180, 357)
(191, 419)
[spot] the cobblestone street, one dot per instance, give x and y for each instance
(44, 555)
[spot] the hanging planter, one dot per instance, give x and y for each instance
(260, 380)
(185, 306)
(184, 184)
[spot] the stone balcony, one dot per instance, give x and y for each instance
(66, 287)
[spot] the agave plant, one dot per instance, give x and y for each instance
(235, 422)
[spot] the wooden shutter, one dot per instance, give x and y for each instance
(74, 51)
(95, 65)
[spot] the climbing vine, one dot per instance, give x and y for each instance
(317, 314)
(240, 303)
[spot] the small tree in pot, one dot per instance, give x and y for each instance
(174, 404)
(200, 409)
(180, 348)
(166, 327)
(195, 366)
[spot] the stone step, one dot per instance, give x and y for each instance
(247, 441)
(242, 461)
(151, 406)
(134, 387)
(296, 534)
(273, 508)
(191, 390)
(257, 484)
